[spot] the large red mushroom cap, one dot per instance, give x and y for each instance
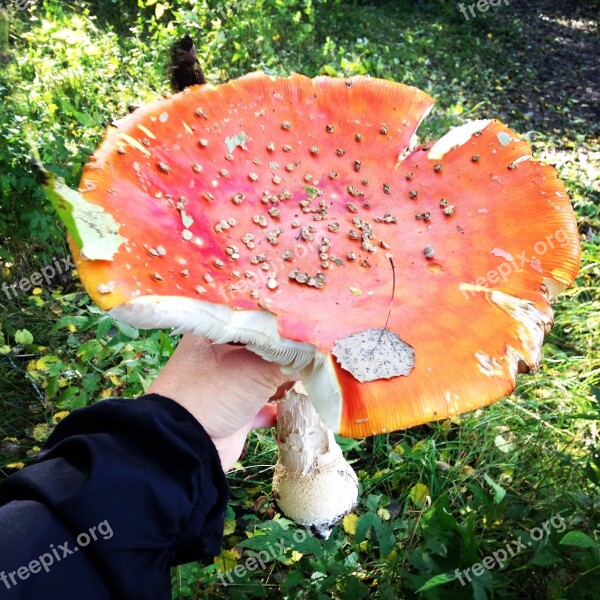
(297, 216)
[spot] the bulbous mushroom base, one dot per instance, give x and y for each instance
(313, 484)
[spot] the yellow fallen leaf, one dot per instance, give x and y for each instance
(418, 494)
(41, 432)
(229, 527)
(420, 446)
(15, 465)
(43, 364)
(59, 416)
(36, 291)
(384, 513)
(227, 559)
(446, 425)
(295, 557)
(349, 523)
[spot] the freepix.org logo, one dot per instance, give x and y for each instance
(55, 554)
(501, 556)
(471, 10)
(60, 266)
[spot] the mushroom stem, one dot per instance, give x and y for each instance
(313, 484)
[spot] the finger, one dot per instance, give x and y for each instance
(266, 417)
(191, 340)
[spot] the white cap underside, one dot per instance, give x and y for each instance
(256, 329)
(457, 136)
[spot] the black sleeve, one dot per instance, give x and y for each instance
(123, 490)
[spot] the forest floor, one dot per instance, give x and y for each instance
(552, 65)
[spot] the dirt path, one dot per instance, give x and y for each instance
(553, 64)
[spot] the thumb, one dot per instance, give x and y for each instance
(266, 417)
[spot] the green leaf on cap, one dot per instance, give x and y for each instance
(237, 140)
(94, 230)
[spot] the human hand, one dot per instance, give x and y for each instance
(226, 388)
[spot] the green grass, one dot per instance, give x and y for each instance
(434, 498)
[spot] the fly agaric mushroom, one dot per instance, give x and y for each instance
(407, 282)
